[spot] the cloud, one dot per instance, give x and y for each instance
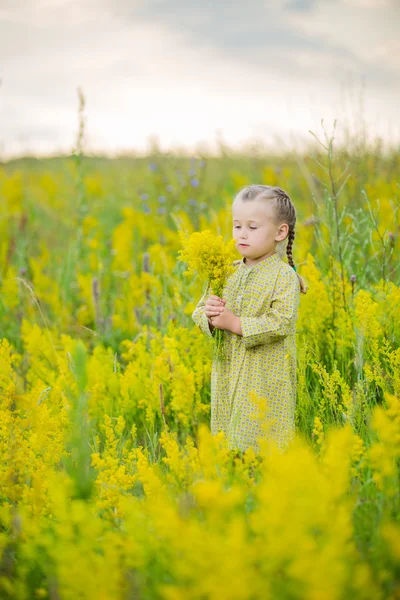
(47, 13)
(184, 69)
(373, 4)
(368, 38)
(300, 5)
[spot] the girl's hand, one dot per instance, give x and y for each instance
(214, 306)
(227, 320)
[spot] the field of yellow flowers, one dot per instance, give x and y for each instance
(111, 485)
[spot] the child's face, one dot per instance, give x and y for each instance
(255, 229)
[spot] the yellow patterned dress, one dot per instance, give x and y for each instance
(266, 297)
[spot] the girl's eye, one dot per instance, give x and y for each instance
(238, 227)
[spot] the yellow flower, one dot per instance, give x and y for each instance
(208, 256)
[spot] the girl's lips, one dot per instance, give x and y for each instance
(243, 245)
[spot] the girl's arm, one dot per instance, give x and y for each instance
(277, 321)
(200, 318)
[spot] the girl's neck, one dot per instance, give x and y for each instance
(255, 261)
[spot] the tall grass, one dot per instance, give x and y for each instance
(111, 484)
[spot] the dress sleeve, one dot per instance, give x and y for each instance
(199, 316)
(276, 322)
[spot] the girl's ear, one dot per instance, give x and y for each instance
(283, 232)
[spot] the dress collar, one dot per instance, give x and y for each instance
(262, 264)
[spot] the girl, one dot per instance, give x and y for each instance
(258, 312)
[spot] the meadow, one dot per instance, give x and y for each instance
(111, 486)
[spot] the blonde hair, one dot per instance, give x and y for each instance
(285, 212)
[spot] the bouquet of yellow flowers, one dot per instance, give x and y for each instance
(208, 256)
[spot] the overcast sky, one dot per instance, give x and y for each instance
(187, 71)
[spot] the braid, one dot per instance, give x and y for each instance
(289, 248)
(289, 211)
(286, 211)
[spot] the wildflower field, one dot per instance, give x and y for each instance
(111, 485)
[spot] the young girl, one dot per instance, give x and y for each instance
(258, 311)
